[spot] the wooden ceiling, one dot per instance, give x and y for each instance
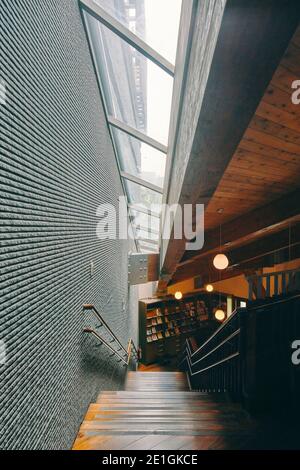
(266, 164)
(258, 195)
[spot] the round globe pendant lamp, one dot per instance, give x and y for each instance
(220, 261)
(178, 295)
(209, 287)
(220, 314)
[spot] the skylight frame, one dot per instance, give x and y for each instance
(89, 7)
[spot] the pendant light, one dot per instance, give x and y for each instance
(209, 287)
(220, 261)
(178, 295)
(219, 313)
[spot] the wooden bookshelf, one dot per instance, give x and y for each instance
(166, 323)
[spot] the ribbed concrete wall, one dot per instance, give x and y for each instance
(57, 166)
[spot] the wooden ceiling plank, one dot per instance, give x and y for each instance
(282, 100)
(279, 130)
(283, 79)
(266, 139)
(273, 113)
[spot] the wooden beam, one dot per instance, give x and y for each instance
(258, 254)
(271, 218)
(252, 39)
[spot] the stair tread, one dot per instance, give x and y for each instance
(157, 410)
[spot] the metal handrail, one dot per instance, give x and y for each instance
(208, 357)
(221, 362)
(221, 327)
(130, 348)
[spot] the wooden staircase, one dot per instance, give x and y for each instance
(157, 411)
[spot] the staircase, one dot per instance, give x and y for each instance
(157, 411)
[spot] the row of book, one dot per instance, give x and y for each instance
(187, 308)
(160, 335)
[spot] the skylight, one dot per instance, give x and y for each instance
(134, 49)
(147, 19)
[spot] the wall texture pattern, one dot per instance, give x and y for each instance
(56, 166)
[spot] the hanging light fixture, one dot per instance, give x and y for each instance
(178, 295)
(220, 314)
(209, 287)
(220, 261)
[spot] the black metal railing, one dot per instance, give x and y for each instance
(123, 355)
(266, 285)
(249, 355)
(217, 365)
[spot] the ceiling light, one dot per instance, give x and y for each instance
(220, 315)
(178, 295)
(209, 288)
(221, 261)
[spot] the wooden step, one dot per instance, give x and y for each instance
(157, 411)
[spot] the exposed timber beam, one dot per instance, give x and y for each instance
(238, 57)
(263, 252)
(271, 218)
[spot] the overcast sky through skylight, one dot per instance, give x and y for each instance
(162, 23)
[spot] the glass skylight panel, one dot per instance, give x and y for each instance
(145, 235)
(148, 19)
(139, 159)
(147, 247)
(136, 91)
(148, 222)
(143, 196)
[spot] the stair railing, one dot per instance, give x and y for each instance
(124, 355)
(217, 364)
(261, 286)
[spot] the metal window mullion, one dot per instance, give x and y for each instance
(141, 182)
(124, 33)
(136, 134)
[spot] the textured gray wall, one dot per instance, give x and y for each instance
(57, 165)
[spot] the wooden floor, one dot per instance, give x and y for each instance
(157, 411)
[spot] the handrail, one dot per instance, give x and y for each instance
(222, 326)
(275, 302)
(220, 363)
(207, 364)
(130, 348)
(102, 340)
(226, 340)
(260, 285)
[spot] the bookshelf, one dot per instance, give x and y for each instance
(166, 323)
